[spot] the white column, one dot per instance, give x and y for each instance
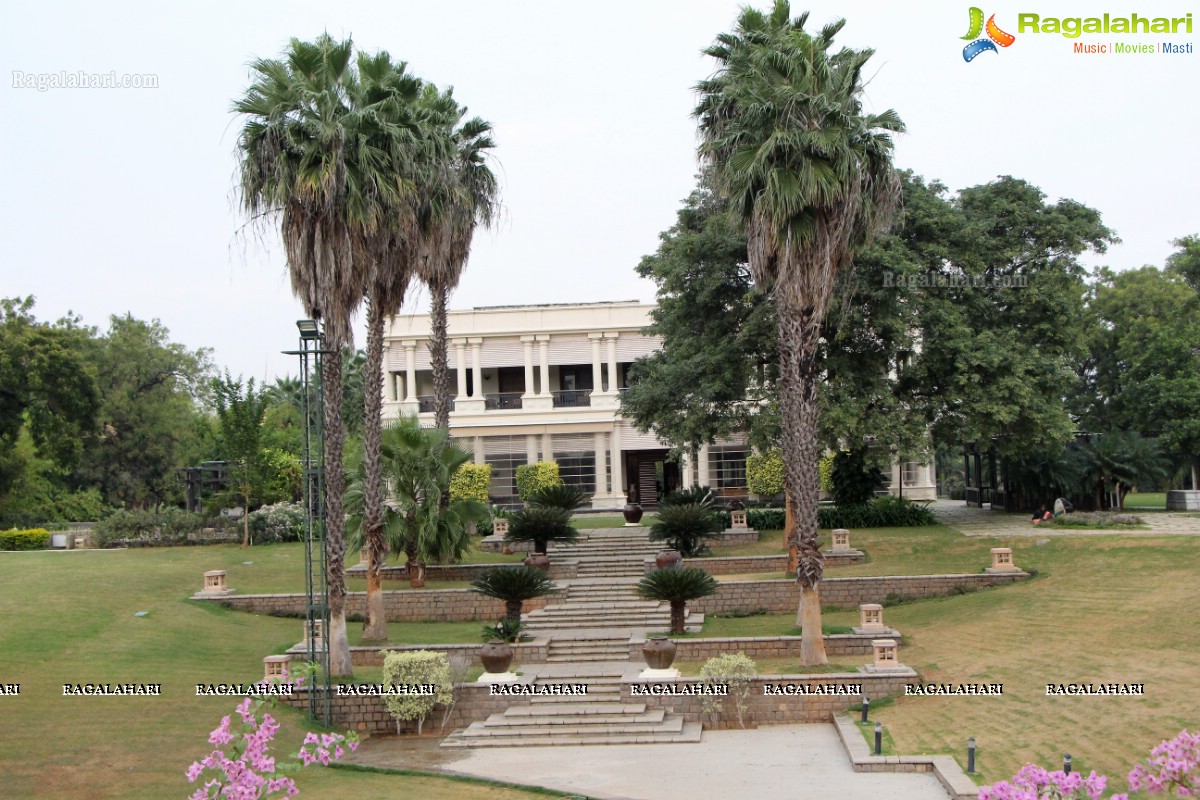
(547, 447)
(597, 374)
(480, 455)
(685, 470)
(598, 447)
(702, 466)
(393, 386)
(460, 361)
(531, 448)
(476, 368)
(527, 343)
(410, 372)
(618, 463)
(612, 361)
(544, 364)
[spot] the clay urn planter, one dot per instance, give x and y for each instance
(633, 513)
(659, 652)
(496, 655)
(539, 560)
(668, 559)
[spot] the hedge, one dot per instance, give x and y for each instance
(531, 477)
(30, 539)
(472, 482)
(885, 512)
(764, 473)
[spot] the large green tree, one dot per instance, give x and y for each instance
(240, 411)
(782, 126)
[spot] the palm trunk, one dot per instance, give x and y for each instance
(414, 567)
(799, 331)
(678, 610)
(375, 625)
(512, 609)
(437, 356)
(789, 534)
(335, 489)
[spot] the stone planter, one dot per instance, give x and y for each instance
(668, 559)
(539, 560)
(496, 656)
(633, 514)
(659, 652)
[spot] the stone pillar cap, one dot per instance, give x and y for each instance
(883, 642)
(214, 573)
(870, 606)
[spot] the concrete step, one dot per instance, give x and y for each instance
(573, 708)
(691, 732)
(569, 728)
(654, 715)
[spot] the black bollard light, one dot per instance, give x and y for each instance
(865, 707)
(1067, 763)
(971, 756)
(878, 739)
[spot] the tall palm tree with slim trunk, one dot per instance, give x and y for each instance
(782, 127)
(304, 164)
(465, 196)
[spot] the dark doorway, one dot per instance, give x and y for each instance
(649, 474)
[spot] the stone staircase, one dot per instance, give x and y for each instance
(568, 648)
(599, 717)
(604, 604)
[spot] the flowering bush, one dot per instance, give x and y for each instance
(241, 766)
(1035, 783)
(281, 522)
(1173, 766)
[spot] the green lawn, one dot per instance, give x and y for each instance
(68, 617)
(589, 521)
(1150, 501)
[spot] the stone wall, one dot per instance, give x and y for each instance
(418, 605)
(784, 595)
(762, 709)
(744, 565)
(560, 569)
(368, 714)
(461, 656)
(732, 537)
(760, 647)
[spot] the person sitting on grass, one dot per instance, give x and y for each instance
(1041, 515)
(1062, 506)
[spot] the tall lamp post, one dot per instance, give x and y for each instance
(315, 557)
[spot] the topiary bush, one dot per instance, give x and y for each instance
(539, 475)
(764, 473)
(472, 482)
(416, 668)
(28, 539)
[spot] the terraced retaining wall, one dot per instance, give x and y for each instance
(464, 656)
(368, 714)
(784, 595)
(418, 605)
(758, 647)
(561, 569)
(743, 565)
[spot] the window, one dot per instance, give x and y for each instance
(504, 454)
(912, 473)
(576, 461)
(727, 468)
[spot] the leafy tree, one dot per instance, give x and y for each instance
(854, 479)
(514, 585)
(677, 587)
(686, 527)
(782, 126)
(240, 409)
(1186, 262)
(151, 390)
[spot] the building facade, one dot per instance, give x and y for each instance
(544, 383)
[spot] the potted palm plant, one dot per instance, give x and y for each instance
(513, 585)
(677, 587)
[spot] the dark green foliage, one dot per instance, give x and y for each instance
(514, 585)
(562, 496)
(760, 519)
(159, 525)
(855, 479)
(883, 512)
(695, 496)
(541, 525)
(674, 585)
(32, 539)
(505, 629)
(685, 528)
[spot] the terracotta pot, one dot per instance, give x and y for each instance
(659, 652)
(668, 559)
(633, 513)
(496, 656)
(539, 560)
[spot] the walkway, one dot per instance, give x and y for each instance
(984, 522)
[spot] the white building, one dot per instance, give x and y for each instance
(543, 383)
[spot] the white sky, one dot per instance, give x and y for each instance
(120, 200)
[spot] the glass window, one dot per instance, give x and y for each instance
(727, 468)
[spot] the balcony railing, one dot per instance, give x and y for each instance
(572, 398)
(426, 404)
(502, 400)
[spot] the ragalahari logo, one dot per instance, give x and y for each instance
(995, 36)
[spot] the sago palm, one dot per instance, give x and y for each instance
(514, 585)
(541, 525)
(677, 587)
(686, 527)
(783, 131)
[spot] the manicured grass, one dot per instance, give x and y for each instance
(769, 625)
(1150, 501)
(68, 617)
(589, 521)
(418, 633)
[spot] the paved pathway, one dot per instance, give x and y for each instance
(985, 522)
(776, 762)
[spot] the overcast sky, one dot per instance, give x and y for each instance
(119, 200)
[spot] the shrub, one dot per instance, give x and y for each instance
(884, 512)
(685, 528)
(760, 519)
(281, 522)
(541, 525)
(412, 669)
(677, 586)
(283, 477)
(853, 480)
(764, 473)
(1095, 519)
(160, 525)
(30, 539)
(568, 498)
(472, 482)
(505, 629)
(825, 465)
(513, 585)
(531, 477)
(734, 670)
(696, 496)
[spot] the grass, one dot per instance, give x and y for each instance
(69, 618)
(768, 625)
(588, 521)
(1149, 501)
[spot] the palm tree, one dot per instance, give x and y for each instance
(464, 195)
(541, 525)
(514, 585)
(783, 131)
(685, 527)
(303, 164)
(677, 586)
(568, 498)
